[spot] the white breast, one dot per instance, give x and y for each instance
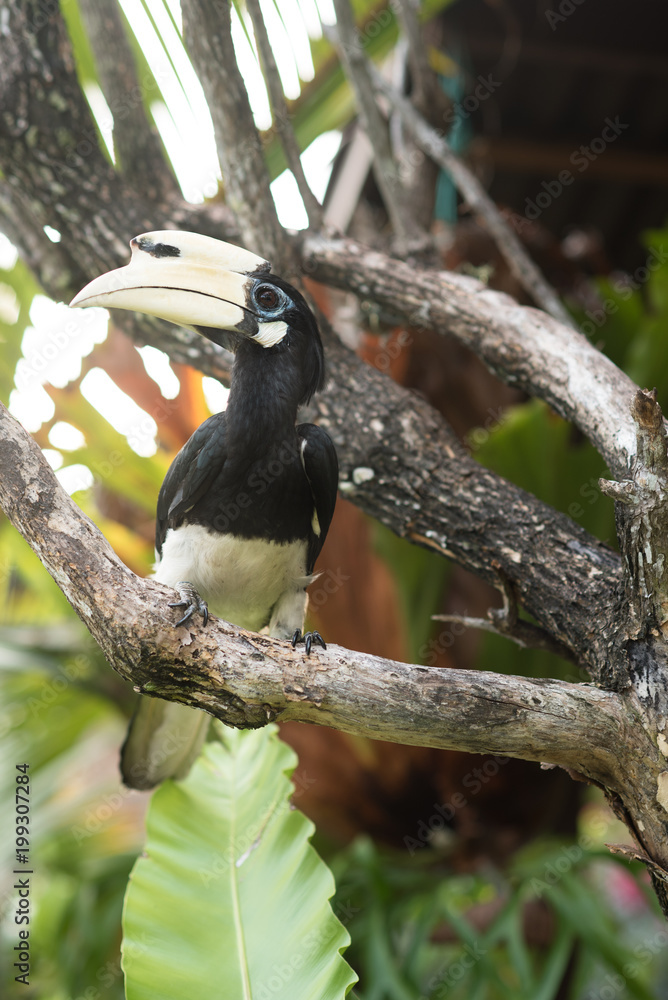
(242, 579)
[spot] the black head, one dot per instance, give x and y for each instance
(282, 327)
(223, 292)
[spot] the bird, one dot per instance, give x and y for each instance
(246, 504)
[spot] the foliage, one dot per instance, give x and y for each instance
(243, 897)
(418, 931)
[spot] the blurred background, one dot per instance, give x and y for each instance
(458, 876)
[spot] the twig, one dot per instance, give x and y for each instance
(435, 146)
(524, 634)
(422, 78)
(282, 115)
(385, 170)
(505, 621)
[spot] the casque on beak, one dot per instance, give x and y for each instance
(186, 278)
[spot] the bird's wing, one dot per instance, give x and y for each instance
(191, 474)
(322, 471)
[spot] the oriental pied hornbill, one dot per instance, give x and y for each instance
(246, 504)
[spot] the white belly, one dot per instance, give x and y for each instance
(242, 579)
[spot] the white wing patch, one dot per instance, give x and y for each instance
(270, 334)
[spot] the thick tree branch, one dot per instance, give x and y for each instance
(398, 460)
(247, 679)
(642, 516)
(524, 347)
(56, 175)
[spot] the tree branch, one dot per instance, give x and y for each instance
(137, 145)
(399, 462)
(357, 68)
(468, 185)
(56, 175)
(208, 37)
(282, 116)
(247, 679)
(524, 347)
(422, 78)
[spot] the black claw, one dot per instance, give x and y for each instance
(191, 601)
(308, 638)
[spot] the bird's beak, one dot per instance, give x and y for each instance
(186, 278)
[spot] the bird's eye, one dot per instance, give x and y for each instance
(267, 297)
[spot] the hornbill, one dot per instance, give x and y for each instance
(246, 504)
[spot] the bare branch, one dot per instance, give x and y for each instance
(435, 146)
(427, 489)
(137, 145)
(208, 37)
(524, 634)
(357, 67)
(246, 679)
(526, 348)
(422, 77)
(505, 621)
(282, 115)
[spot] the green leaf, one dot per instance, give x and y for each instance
(555, 965)
(230, 898)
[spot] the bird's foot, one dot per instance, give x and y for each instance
(308, 638)
(191, 601)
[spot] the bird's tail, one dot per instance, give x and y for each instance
(163, 740)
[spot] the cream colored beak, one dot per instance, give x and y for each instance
(186, 278)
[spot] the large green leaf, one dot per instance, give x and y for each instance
(230, 900)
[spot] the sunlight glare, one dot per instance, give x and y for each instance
(8, 254)
(158, 367)
(74, 478)
(121, 411)
(215, 394)
(102, 115)
(66, 437)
